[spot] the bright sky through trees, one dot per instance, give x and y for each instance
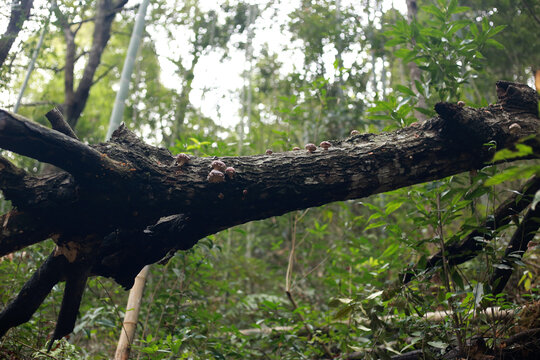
(217, 80)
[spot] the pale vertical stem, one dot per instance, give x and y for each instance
(288, 274)
(34, 58)
(131, 317)
(121, 95)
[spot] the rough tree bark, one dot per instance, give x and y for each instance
(144, 206)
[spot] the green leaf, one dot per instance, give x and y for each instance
(513, 173)
(520, 150)
(344, 312)
(496, 30)
(393, 206)
(495, 43)
(434, 11)
(374, 216)
(452, 6)
(391, 250)
(474, 30)
(457, 25)
(405, 90)
(375, 225)
(420, 88)
(460, 9)
(402, 53)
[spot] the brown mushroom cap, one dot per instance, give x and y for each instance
(325, 145)
(296, 148)
(311, 147)
(355, 132)
(219, 165)
(269, 152)
(215, 176)
(182, 158)
(461, 103)
(230, 172)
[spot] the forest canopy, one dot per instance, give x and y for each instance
(315, 179)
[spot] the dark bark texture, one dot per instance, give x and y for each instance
(118, 206)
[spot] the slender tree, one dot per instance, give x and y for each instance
(35, 53)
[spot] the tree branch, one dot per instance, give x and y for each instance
(516, 248)
(471, 245)
(74, 290)
(33, 293)
(58, 123)
(22, 229)
(31, 139)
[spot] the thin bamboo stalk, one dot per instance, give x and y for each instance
(127, 334)
(127, 70)
(34, 58)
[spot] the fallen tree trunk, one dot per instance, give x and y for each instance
(121, 205)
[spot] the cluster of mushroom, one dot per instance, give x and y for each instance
(312, 147)
(219, 171)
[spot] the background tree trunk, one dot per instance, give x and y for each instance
(20, 11)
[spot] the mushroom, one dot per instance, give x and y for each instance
(230, 172)
(514, 129)
(461, 103)
(182, 158)
(219, 165)
(296, 148)
(269, 152)
(355, 132)
(215, 176)
(311, 147)
(325, 145)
